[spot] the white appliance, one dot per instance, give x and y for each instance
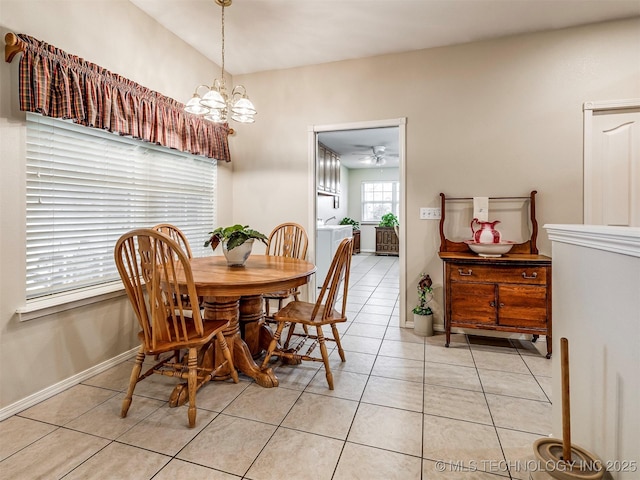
(328, 238)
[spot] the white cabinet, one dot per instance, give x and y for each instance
(328, 239)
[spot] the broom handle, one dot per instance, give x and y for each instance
(566, 408)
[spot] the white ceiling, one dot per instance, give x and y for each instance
(275, 34)
(356, 146)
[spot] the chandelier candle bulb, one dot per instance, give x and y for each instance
(216, 104)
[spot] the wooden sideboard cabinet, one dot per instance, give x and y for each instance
(387, 241)
(356, 241)
(510, 293)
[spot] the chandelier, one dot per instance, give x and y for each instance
(216, 104)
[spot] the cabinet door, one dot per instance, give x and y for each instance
(327, 171)
(331, 162)
(473, 303)
(522, 306)
(320, 167)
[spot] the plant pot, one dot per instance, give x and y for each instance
(236, 257)
(423, 325)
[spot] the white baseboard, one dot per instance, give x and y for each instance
(49, 392)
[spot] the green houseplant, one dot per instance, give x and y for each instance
(350, 221)
(422, 313)
(388, 220)
(234, 236)
(238, 238)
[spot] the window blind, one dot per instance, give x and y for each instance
(86, 187)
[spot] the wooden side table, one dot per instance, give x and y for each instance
(511, 293)
(356, 241)
(508, 294)
(387, 241)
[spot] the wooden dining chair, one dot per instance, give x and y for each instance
(148, 262)
(317, 314)
(286, 240)
(181, 239)
(176, 234)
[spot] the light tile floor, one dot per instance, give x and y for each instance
(404, 407)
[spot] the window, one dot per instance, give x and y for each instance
(86, 187)
(379, 198)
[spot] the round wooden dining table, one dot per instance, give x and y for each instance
(235, 294)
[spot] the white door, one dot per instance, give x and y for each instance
(612, 163)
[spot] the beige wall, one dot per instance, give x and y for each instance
(492, 118)
(498, 117)
(116, 35)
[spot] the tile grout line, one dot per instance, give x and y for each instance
(484, 394)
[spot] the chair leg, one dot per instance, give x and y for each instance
(273, 344)
(222, 343)
(133, 380)
(325, 356)
(266, 308)
(192, 385)
(292, 328)
(296, 294)
(336, 337)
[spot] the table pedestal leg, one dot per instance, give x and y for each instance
(251, 315)
(228, 308)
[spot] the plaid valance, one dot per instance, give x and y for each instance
(57, 84)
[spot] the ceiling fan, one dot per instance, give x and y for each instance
(378, 156)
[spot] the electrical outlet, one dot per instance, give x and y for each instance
(430, 213)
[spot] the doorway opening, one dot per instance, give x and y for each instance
(343, 159)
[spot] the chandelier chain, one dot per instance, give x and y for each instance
(218, 104)
(223, 41)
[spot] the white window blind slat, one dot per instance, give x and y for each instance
(86, 187)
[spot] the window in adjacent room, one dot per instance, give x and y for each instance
(86, 187)
(379, 198)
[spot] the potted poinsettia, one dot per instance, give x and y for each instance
(237, 242)
(422, 313)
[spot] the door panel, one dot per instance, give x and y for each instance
(612, 167)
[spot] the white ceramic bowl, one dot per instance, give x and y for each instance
(490, 249)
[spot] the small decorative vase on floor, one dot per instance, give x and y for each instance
(423, 325)
(236, 257)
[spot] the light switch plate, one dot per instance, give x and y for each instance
(429, 213)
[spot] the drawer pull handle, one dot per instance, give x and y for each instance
(462, 274)
(501, 305)
(532, 276)
(492, 304)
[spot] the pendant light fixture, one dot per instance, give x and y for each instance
(216, 104)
